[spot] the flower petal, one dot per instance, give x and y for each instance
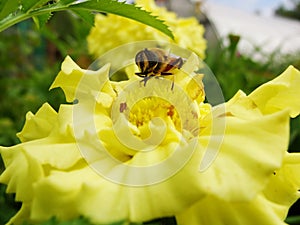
(281, 93)
(249, 152)
(77, 82)
(268, 207)
(84, 192)
(215, 211)
(22, 215)
(39, 125)
(284, 185)
(20, 181)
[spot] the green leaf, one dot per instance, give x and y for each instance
(107, 6)
(125, 10)
(293, 220)
(7, 7)
(86, 16)
(28, 5)
(41, 20)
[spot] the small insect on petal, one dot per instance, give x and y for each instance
(156, 62)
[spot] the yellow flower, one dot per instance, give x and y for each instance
(112, 31)
(50, 176)
(125, 151)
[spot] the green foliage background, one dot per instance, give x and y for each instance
(292, 13)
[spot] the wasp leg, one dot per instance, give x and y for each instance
(146, 79)
(141, 74)
(168, 74)
(172, 87)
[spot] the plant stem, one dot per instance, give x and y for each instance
(12, 20)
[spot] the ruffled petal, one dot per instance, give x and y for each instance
(22, 215)
(39, 125)
(247, 152)
(269, 207)
(30, 161)
(21, 172)
(36, 159)
(215, 211)
(76, 82)
(284, 184)
(84, 192)
(281, 93)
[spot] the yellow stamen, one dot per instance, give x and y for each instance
(150, 107)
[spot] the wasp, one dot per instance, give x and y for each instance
(156, 62)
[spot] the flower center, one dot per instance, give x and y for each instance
(148, 108)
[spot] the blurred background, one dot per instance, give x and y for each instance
(248, 43)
